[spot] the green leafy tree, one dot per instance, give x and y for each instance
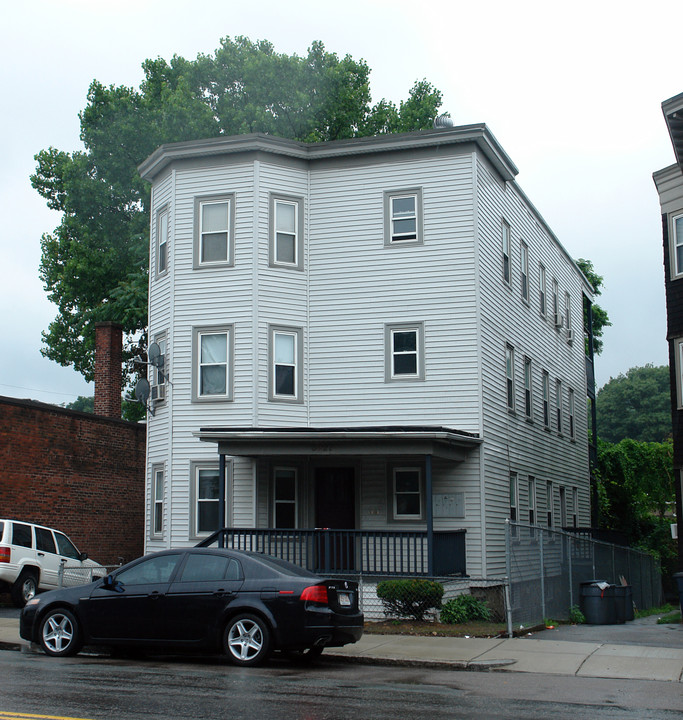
(636, 405)
(637, 495)
(94, 265)
(599, 315)
(82, 404)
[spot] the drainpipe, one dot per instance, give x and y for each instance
(430, 514)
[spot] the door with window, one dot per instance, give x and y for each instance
(335, 510)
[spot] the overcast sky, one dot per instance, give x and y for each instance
(572, 91)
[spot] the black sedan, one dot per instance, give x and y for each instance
(242, 604)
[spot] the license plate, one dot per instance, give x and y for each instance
(344, 599)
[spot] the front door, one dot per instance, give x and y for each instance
(335, 510)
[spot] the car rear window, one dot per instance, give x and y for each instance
(22, 535)
(282, 566)
(205, 568)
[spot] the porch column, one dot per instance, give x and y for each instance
(430, 514)
(221, 498)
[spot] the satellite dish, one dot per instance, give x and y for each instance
(154, 355)
(142, 390)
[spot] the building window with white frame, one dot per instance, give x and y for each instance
(568, 316)
(286, 362)
(563, 506)
(510, 376)
(532, 500)
(159, 373)
(524, 272)
(214, 222)
(575, 507)
(162, 241)
(542, 291)
(404, 352)
(212, 363)
(546, 399)
(285, 498)
(677, 245)
(403, 217)
(550, 502)
(558, 405)
(407, 493)
(528, 404)
(286, 243)
(572, 422)
(158, 502)
(506, 251)
(206, 499)
(678, 356)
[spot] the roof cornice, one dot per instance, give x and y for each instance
(478, 134)
(673, 114)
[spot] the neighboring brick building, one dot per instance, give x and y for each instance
(80, 473)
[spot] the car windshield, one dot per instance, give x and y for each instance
(66, 547)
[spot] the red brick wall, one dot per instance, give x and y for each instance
(76, 472)
(108, 351)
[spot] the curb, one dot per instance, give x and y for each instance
(472, 665)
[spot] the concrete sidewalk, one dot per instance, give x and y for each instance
(639, 650)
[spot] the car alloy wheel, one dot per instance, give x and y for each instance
(25, 588)
(247, 640)
(59, 633)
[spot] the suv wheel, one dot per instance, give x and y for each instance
(24, 588)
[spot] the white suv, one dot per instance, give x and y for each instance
(30, 559)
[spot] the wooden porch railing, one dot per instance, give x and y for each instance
(370, 552)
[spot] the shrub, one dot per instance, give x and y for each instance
(410, 598)
(576, 617)
(464, 608)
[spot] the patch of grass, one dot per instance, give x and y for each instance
(664, 609)
(674, 617)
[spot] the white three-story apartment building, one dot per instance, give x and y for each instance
(379, 336)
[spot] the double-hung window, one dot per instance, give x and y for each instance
(514, 500)
(157, 525)
(524, 272)
(546, 399)
(558, 405)
(404, 352)
(572, 423)
(550, 502)
(568, 316)
(542, 291)
(677, 245)
(162, 241)
(403, 217)
(528, 406)
(575, 507)
(506, 252)
(286, 232)
(532, 500)
(286, 364)
(214, 222)
(556, 305)
(285, 498)
(159, 371)
(205, 494)
(212, 365)
(510, 376)
(407, 493)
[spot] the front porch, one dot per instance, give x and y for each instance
(365, 552)
(325, 524)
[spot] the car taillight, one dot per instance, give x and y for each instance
(4, 554)
(315, 593)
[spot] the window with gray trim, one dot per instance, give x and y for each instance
(404, 351)
(159, 374)
(506, 251)
(406, 493)
(677, 245)
(542, 291)
(546, 399)
(162, 235)
(403, 217)
(204, 497)
(212, 363)
(528, 404)
(214, 229)
(524, 272)
(286, 231)
(510, 376)
(157, 520)
(285, 510)
(285, 350)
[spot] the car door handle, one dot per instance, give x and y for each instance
(155, 595)
(41, 554)
(223, 593)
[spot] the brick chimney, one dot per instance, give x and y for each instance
(108, 347)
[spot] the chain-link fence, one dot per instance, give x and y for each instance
(546, 568)
(73, 575)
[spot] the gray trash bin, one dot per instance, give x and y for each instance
(678, 577)
(623, 601)
(597, 604)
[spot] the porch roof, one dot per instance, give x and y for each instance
(394, 440)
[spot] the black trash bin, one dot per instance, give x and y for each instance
(623, 600)
(598, 604)
(678, 577)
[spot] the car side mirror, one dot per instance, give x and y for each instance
(83, 556)
(110, 583)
